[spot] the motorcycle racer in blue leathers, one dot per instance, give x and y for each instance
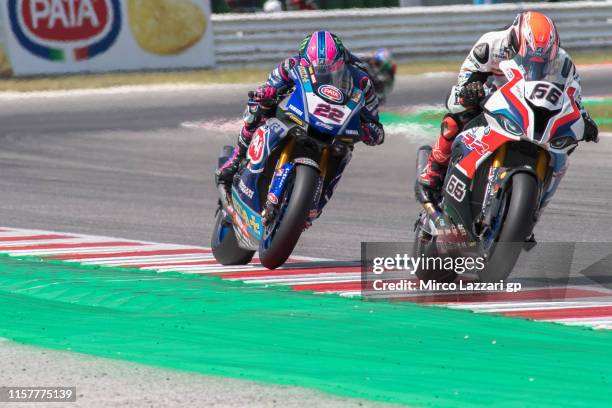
(325, 51)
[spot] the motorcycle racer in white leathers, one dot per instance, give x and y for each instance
(532, 35)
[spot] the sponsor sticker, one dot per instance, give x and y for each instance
(296, 110)
(303, 73)
(456, 188)
(256, 148)
(272, 198)
(69, 36)
(245, 190)
(331, 92)
(50, 29)
(246, 214)
(474, 143)
(324, 125)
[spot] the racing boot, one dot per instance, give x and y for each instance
(429, 181)
(225, 173)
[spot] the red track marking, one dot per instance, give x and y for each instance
(35, 237)
(131, 254)
(535, 294)
(283, 272)
(567, 313)
(79, 245)
(329, 287)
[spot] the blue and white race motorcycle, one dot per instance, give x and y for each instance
(277, 191)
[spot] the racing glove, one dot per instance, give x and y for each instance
(265, 96)
(591, 132)
(471, 94)
(372, 134)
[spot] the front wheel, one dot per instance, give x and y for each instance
(518, 225)
(282, 236)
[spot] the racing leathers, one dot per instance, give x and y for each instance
(479, 75)
(262, 105)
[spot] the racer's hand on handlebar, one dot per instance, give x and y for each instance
(265, 96)
(370, 135)
(591, 132)
(471, 94)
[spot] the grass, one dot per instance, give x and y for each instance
(222, 76)
(601, 111)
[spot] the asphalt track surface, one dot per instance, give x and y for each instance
(120, 164)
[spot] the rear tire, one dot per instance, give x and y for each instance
(518, 225)
(224, 244)
(290, 229)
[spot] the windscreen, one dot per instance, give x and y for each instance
(536, 67)
(340, 77)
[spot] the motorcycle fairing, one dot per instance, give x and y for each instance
(245, 191)
(560, 163)
(513, 93)
(457, 199)
(265, 140)
(319, 112)
(568, 120)
(516, 100)
(250, 218)
(477, 145)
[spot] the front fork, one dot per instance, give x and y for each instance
(284, 167)
(498, 176)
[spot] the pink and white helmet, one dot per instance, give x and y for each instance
(324, 51)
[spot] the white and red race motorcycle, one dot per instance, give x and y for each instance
(502, 172)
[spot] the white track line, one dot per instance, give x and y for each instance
(518, 306)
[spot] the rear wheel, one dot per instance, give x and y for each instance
(518, 225)
(282, 235)
(224, 244)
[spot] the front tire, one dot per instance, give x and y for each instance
(274, 251)
(224, 244)
(518, 225)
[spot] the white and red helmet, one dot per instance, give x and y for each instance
(534, 35)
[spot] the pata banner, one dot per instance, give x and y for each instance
(68, 36)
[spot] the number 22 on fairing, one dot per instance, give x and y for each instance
(324, 110)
